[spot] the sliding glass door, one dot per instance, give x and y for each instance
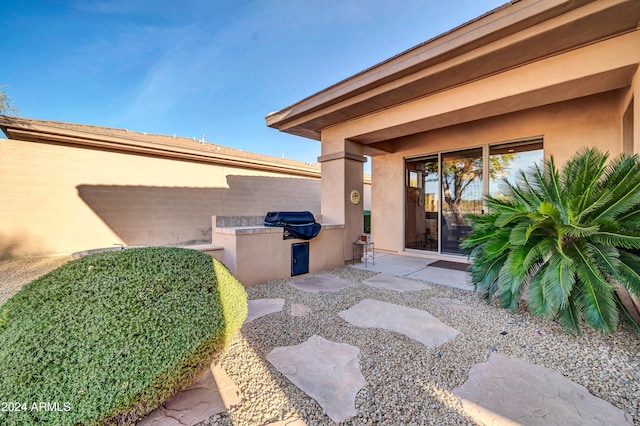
(442, 189)
(461, 195)
(421, 209)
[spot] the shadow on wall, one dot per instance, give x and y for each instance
(10, 247)
(151, 215)
(257, 195)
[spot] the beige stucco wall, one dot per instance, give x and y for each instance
(258, 257)
(565, 127)
(60, 199)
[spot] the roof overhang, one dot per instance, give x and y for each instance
(29, 130)
(512, 37)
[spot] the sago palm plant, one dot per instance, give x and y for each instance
(563, 241)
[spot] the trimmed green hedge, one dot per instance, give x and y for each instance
(107, 338)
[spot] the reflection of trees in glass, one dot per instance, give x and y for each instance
(459, 174)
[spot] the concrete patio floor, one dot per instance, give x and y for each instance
(416, 268)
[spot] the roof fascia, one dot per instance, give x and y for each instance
(499, 19)
(54, 135)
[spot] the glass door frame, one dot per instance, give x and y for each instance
(485, 184)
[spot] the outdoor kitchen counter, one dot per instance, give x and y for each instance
(255, 253)
(256, 229)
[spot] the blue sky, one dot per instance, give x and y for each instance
(212, 67)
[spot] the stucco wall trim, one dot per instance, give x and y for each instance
(341, 155)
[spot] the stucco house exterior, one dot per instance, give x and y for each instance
(443, 121)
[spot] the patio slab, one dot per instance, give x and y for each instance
(327, 371)
(395, 264)
(414, 323)
(508, 391)
(391, 282)
(442, 276)
(261, 307)
(418, 268)
(323, 282)
(212, 393)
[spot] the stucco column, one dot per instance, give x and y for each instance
(636, 112)
(341, 164)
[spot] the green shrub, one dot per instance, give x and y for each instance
(109, 337)
(564, 240)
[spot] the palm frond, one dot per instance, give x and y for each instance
(598, 308)
(558, 279)
(484, 274)
(526, 190)
(512, 277)
(581, 175)
(629, 272)
(595, 295)
(507, 218)
(543, 227)
(569, 317)
(518, 234)
(498, 244)
(537, 296)
(576, 230)
(622, 179)
(630, 220)
(617, 240)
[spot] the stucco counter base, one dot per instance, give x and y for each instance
(256, 253)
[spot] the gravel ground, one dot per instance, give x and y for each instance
(14, 273)
(406, 382)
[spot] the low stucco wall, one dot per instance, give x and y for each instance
(565, 127)
(257, 254)
(60, 199)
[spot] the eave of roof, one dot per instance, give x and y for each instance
(413, 74)
(123, 140)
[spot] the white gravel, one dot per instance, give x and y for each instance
(407, 383)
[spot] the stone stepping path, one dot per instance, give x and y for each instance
(501, 391)
(508, 391)
(328, 372)
(414, 323)
(323, 282)
(212, 393)
(261, 307)
(453, 304)
(391, 282)
(299, 310)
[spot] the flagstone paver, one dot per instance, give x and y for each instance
(212, 393)
(391, 282)
(299, 310)
(508, 391)
(327, 371)
(323, 282)
(453, 304)
(414, 323)
(261, 307)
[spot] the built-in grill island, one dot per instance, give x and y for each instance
(301, 225)
(277, 245)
